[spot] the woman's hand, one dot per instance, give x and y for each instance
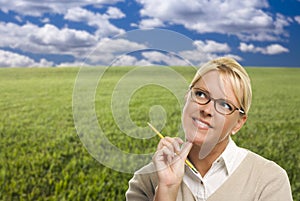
(169, 161)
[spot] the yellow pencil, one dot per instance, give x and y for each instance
(187, 162)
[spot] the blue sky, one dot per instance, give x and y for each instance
(65, 33)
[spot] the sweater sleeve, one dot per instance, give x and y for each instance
(142, 187)
(274, 184)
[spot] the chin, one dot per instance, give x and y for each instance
(196, 138)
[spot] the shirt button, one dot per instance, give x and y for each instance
(201, 182)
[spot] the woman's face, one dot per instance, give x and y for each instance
(202, 124)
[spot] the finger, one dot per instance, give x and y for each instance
(158, 156)
(159, 160)
(185, 150)
(163, 157)
(167, 142)
(173, 139)
(177, 143)
(168, 154)
(172, 143)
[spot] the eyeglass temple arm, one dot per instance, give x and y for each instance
(241, 111)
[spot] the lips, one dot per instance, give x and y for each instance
(201, 124)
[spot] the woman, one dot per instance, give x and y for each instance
(216, 107)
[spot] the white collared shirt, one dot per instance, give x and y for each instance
(219, 172)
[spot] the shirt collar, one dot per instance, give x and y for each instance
(228, 156)
(226, 159)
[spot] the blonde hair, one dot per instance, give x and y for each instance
(231, 70)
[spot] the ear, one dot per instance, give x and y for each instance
(240, 122)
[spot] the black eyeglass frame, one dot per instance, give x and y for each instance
(242, 112)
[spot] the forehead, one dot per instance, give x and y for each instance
(218, 86)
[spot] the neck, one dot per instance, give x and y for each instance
(204, 164)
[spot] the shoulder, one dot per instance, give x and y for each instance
(259, 170)
(147, 169)
(272, 180)
(262, 164)
(146, 174)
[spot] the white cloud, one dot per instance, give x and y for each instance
(269, 50)
(151, 23)
(114, 13)
(47, 39)
(198, 57)
(38, 8)
(105, 28)
(297, 18)
(249, 20)
(53, 40)
(108, 50)
(209, 46)
(245, 19)
(280, 22)
(18, 18)
(205, 51)
(117, 52)
(165, 59)
(128, 60)
(248, 48)
(10, 59)
(119, 45)
(45, 20)
(236, 57)
(71, 64)
(275, 49)
(151, 58)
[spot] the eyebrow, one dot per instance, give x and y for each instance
(209, 94)
(204, 90)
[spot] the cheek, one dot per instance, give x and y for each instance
(184, 115)
(187, 111)
(229, 124)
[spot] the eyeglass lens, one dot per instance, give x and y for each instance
(221, 105)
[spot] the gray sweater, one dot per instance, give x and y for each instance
(256, 179)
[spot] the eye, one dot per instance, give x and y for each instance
(200, 94)
(225, 105)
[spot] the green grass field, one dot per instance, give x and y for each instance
(42, 157)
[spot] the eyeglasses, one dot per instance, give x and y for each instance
(222, 106)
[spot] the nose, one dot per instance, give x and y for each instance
(207, 109)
